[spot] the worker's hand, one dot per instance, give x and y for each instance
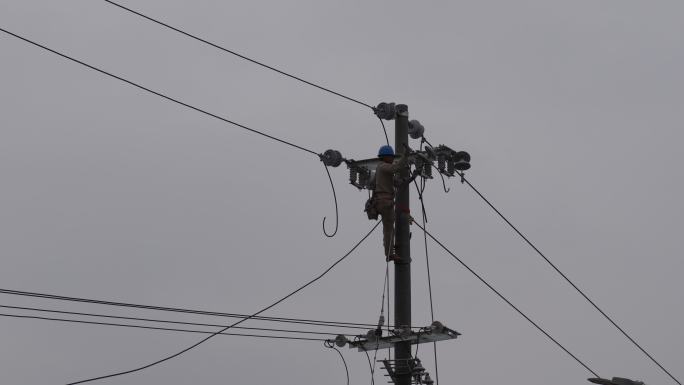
(408, 149)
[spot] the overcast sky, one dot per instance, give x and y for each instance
(572, 112)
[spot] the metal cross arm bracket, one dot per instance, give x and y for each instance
(434, 333)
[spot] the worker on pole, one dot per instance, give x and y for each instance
(383, 194)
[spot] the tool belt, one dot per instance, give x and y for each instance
(371, 207)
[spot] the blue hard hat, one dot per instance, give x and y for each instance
(385, 151)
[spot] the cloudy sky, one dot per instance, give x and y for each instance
(572, 112)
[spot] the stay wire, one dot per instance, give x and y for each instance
(158, 328)
(42, 310)
(508, 302)
(302, 287)
(606, 316)
(157, 93)
(195, 37)
(340, 324)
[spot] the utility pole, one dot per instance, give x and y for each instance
(404, 369)
(402, 267)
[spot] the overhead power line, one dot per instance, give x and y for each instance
(300, 288)
(244, 57)
(548, 261)
(337, 324)
(159, 328)
(163, 321)
(498, 293)
(205, 41)
(160, 94)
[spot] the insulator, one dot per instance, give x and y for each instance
(441, 161)
(353, 175)
(461, 165)
(418, 366)
(381, 321)
(430, 152)
(364, 178)
(331, 158)
(386, 111)
(427, 170)
(451, 167)
(462, 155)
(341, 340)
(371, 335)
(437, 327)
(415, 129)
(427, 380)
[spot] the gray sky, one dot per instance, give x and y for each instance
(572, 112)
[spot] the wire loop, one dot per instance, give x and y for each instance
(337, 214)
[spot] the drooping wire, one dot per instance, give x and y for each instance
(420, 191)
(329, 344)
(548, 261)
(340, 324)
(156, 320)
(384, 130)
(372, 370)
(160, 328)
(479, 277)
(237, 54)
(160, 94)
(385, 288)
(337, 214)
(389, 315)
(446, 190)
(444, 186)
(300, 288)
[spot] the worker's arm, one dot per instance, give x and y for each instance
(400, 163)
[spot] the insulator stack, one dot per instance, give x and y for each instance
(441, 162)
(427, 170)
(386, 111)
(415, 129)
(364, 178)
(451, 167)
(462, 161)
(331, 158)
(353, 175)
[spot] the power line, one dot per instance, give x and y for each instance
(159, 93)
(241, 56)
(606, 316)
(195, 37)
(302, 287)
(159, 328)
(340, 324)
(329, 344)
(162, 321)
(507, 301)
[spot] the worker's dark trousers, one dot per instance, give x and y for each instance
(386, 209)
